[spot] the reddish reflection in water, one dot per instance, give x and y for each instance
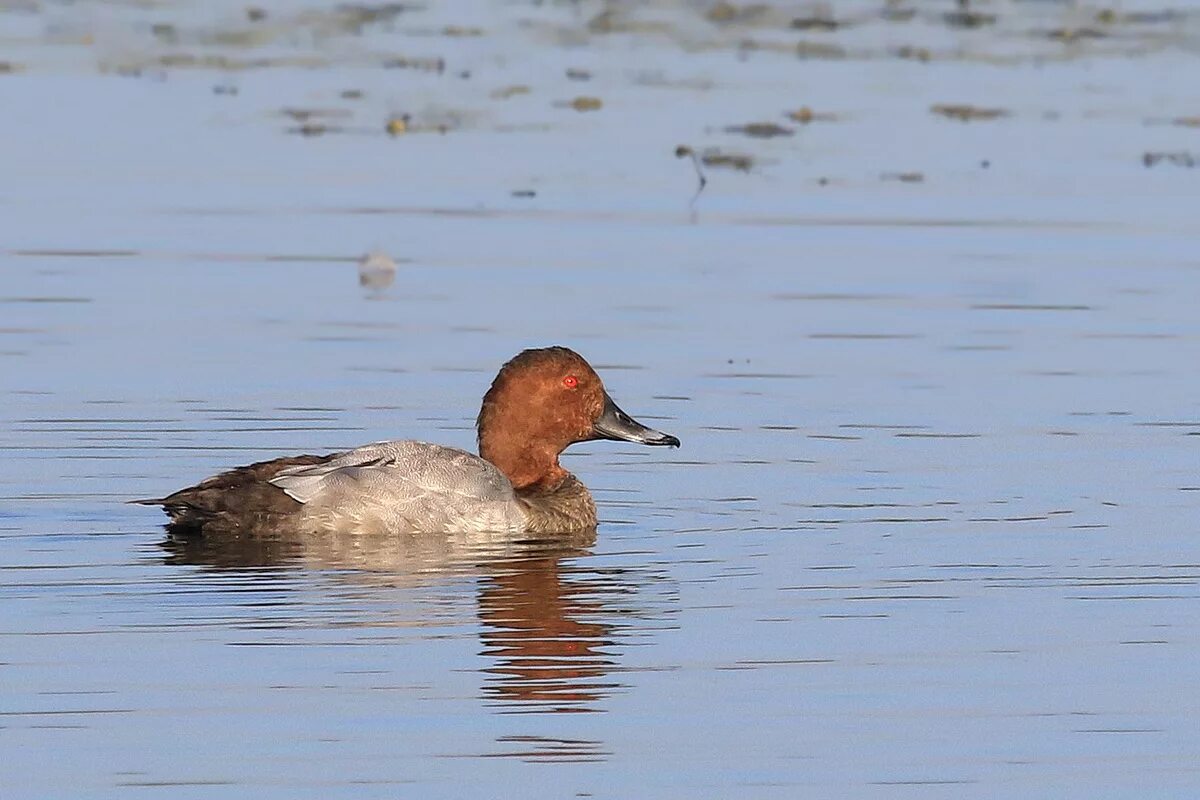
(551, 653)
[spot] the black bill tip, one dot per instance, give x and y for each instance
(616, 425)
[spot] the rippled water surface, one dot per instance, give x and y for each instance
(928, 334)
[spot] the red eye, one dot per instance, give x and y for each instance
(570, 381)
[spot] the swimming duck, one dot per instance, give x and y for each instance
(541, 402)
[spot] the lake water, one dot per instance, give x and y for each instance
(933, 528)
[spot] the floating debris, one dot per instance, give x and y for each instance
(376, 271)
(313, 129)
(964, 112)
(429, 120)
(309, 114)
(255, 14)
(760, 130)
(578, 74)
(723, 12)
(220, 62)
(397, 125)
(431, 64)
(461, 31)
(683, 151)
(968, 19)
(225, 89)
(506, 92)
(8, 67)
(310, 120)
(524, 193)
(351, 94)
(1187, 122)
(964, 17)
(1071, 35)
(904, 177)
(718, 158)
(613, 21)
(1109, 16)
(816, 22)
(805, 115)
(356, 15)
(584, 103)
(1179, 159)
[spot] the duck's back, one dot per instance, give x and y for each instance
(383, 487)
(403, 486)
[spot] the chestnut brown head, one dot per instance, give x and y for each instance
(543, 401)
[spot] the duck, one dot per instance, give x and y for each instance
(541, 402)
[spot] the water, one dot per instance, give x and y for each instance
(932, 529)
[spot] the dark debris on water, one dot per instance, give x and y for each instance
(964, 112)
(1178, 159)
(760, 130)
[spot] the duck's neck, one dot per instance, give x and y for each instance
(552, 499)
(530, 468)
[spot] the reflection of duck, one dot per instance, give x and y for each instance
(543, 630)
(540, 403)
(379, 559)
(542, 613)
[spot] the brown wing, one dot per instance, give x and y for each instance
(240, 500)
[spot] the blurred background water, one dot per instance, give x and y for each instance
(928, 335)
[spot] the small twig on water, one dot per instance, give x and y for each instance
(683, 151)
